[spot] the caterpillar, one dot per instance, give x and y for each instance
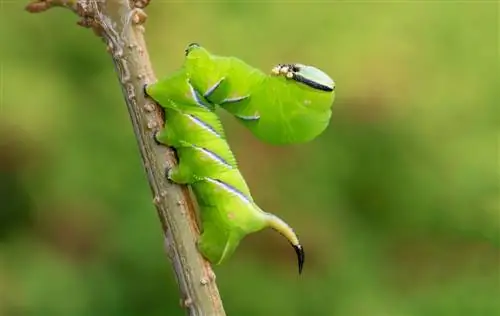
(227, 209)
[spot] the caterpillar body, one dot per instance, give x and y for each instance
(189, 96)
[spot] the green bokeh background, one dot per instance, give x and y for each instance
(397, 203)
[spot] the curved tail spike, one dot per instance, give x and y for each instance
(284, 229)
(300, 256)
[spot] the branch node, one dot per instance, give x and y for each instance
(152, 124)
(186, 302)
(157, 200)
(148, 106)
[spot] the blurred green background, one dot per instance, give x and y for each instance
(397, 204)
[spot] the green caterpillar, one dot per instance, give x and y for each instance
(227, 209)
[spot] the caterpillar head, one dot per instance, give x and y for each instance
(308, 75)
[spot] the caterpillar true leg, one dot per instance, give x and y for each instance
(168, 171)
(156, 136)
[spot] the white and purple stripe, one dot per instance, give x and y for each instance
(213, 156)
(213, 88)
(203, 125)
(234, 100)
(230, 189)
(248, 118)
(196, 98)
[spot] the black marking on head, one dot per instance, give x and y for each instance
(292, 67)
(212, 89)
(144, 89)
(311, 83)
(300, 256)
(190, 47)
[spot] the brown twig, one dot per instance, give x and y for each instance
(120, 24)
